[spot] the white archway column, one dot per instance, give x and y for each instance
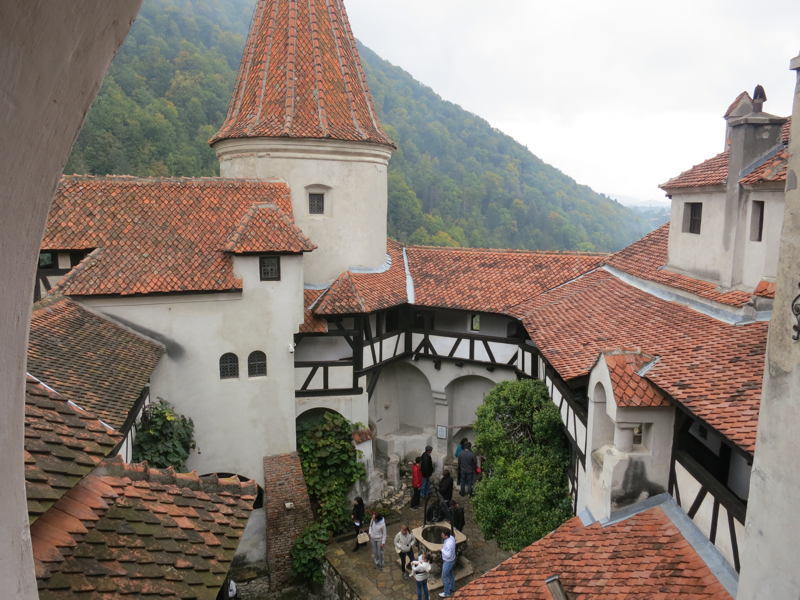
(53, 56)
(442, 419)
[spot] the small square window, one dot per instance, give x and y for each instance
(269, 268)
(757, 221)
(316, 204)
(475, 322)
(692, 216)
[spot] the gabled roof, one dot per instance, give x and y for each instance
(165, 235)
(266, 228)
(711, 367)
(127, 530)
(301, 77)
(744, 100)
(62, 444)
(490, 280)
(311, 322)
(89, 359)
(630, 388)
(354, 292)
(647, 257)
(642, 557)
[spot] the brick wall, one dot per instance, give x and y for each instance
(283, 482)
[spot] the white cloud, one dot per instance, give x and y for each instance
(620, 94)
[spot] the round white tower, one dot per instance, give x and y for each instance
(302, 112)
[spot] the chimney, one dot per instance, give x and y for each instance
(555, 588)
(752, 135)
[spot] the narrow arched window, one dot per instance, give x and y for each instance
(228, 366)
(257, 364)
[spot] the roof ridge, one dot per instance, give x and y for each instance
(176, 178)
(509, 250)
(318, 78)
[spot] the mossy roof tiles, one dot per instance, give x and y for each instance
(89, 359)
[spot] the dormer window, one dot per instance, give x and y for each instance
(692, 216)
(269, 268)
(316, 203)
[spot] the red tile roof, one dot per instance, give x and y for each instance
(765, 289)
(647, 257)
(127, 530)
(62, 444)
(711, 367)
(353, 292)
(164, 235)
(630, 389)
(301, 77)
(490, 280)
(89, 359)
(713, 171)
(266, 228)
(311, 322)
(643, 557)
(772, 171)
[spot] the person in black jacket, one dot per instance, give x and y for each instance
(357, 515)
(426, 464)
(446, 486)
(457, 513)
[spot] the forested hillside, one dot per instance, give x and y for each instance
(453, 180)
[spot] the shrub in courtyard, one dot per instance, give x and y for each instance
(164, 438)
(523, 494)
(307, 553)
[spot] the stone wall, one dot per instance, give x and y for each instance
(336, 588)
(288, 512)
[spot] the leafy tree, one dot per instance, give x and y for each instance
(523, 494)
(163, 438)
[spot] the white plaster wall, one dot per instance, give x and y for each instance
(323, 348)
(352, 232)
(53, 56)
(464, 396)
(237, 421)
(760, 260)
(705, 254)
(769, 556)
(459, 322)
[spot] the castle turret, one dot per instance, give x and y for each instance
(302, 112)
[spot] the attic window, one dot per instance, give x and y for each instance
(692, 216)
(316, 204)
(475, 322)
(269, 268)
(757, 221)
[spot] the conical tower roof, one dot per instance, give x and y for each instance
(301, 77)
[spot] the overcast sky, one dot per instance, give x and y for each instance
(619, 94)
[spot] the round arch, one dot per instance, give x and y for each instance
(402, 400)
(464, 396)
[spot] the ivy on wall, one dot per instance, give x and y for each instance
(523, 495)
(330, 468)
(164, 438)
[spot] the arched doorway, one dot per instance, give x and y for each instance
(402, 400)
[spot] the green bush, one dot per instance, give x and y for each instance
(523, 495)
(163, 437)
(307, 553)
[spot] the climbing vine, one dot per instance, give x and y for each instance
(330, 468)
(164, 438)
(524, 494)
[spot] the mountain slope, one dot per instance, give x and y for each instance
(453, 181)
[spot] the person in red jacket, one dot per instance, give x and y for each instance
(416, 482)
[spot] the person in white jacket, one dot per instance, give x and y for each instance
(421, 569)
(377, 537)
(402, 545)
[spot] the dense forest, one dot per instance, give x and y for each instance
(454, 180)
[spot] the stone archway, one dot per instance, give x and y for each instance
(402, 401)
